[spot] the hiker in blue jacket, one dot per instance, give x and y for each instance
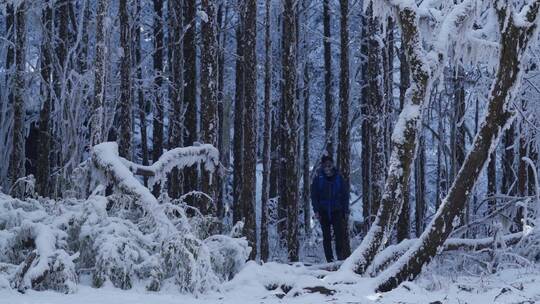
(330, 201)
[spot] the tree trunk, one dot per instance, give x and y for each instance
(176, 89)
(306, 198)
(190, 88)
(96, 118)
(344, 144)
(124, 117)
(265, 195)
(16, 161)
(403, 225)
(376, 112)
(290, 195)
(157, 134)
(249, 158)
(238, 117)
(366, 127)
(514, 42)
(420, 185)
(44, 142)
(328, 98)
(209, 119)
(507, 162)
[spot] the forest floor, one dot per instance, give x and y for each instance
(282, 283)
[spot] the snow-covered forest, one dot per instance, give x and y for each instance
(156, 151)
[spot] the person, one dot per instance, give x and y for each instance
(330, 202)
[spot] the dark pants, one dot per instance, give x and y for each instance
(336, 222)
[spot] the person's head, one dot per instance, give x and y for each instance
(327, 164)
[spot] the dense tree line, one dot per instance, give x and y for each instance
(274, 85)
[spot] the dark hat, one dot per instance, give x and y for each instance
(326, 158)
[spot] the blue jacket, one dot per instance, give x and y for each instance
(329, 194)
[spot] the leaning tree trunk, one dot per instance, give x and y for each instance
(403, 225)
(515, 37)
(403, 147)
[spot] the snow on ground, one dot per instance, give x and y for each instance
(282, 283)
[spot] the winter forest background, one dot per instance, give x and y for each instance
(169, 146)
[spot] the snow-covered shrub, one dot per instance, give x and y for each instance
(122, 238)
(33, 247)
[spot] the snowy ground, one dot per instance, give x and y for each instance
(281, 283)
